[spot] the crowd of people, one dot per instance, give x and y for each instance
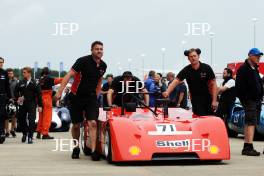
(206, 97)
(154, 85)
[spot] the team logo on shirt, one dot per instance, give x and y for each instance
(22, 85)
(203, 74)
(2, 77)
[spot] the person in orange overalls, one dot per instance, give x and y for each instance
(45, 117)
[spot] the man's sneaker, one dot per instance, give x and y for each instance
(7, 135)
(2, 138)
(24, 138)
(95, 156)
(76, 153)
(13, 133)
(250, 152)
(47, 137)
(38, 135)
(30, 140)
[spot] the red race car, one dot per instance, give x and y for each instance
(133, 133)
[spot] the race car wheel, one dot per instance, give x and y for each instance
(86, 150)
(108, 146)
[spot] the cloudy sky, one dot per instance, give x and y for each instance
(128, 28)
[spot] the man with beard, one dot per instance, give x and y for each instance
(88, 72)
(202, 84)
(227, 94)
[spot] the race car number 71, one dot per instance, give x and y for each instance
(168, 129)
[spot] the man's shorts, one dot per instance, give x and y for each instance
(85, 107)
(201, 105)
(252, 111)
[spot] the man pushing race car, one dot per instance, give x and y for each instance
(88, 74)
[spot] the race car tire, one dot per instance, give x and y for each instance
(108, 146)
(86, 150)
(215, 161)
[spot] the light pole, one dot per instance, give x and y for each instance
(163, 60)
(129, 63)
(48, 65)
(211, 34)
(183, 58)
(35, 69)
(143, 65)
(254, 20)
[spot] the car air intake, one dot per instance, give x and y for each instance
(174, 156)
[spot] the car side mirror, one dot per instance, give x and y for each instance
(130, 107)
(107, 108)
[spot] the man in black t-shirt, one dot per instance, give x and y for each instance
(105, 88)
(201, 81)
(88, 74)
(124, 84)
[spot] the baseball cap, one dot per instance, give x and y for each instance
(255, 52)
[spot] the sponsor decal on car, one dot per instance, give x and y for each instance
(190, 145)
(177, 143)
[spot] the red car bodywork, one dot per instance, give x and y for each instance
(141, 136)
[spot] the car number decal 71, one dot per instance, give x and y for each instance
(168, 129)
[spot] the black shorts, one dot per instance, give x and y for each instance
(201, 105)
(85, 107)
(252, 111)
